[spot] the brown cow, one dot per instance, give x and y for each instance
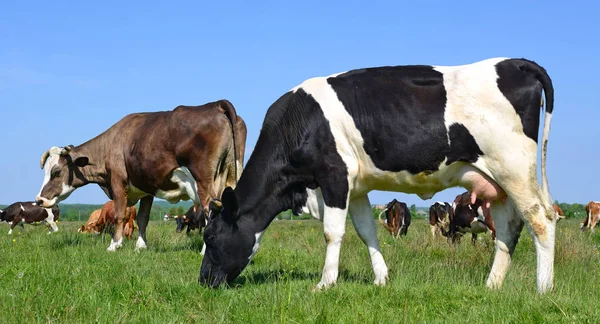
(559, 213)
(468, 217)
(191, 152)
(439, 217)
(592, 211)
(105, 220)
(93, 219)
(397, 218)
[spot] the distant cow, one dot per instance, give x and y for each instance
(105, 221)
(592, 211)
(191, 221)
(467, 217)
(439, 217)
(29, 212)
(397, 218)
(559, 213)
(191, 152)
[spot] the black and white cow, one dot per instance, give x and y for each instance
(189, 220)
(29, 212)
(328, 142)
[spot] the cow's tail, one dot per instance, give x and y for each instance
(542, 76)
(232, 116)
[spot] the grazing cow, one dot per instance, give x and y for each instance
(439, 217)
(592, 210)
(397, 218)
(192, 152)
(559, 213)
(105, 220)
(29, 212)
(468, 217)
(328, 142)
(190, 221)
(92, 220)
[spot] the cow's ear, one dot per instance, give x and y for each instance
(230, 204)
(215, 207)
(82, 161)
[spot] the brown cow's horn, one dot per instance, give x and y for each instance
(44, 158)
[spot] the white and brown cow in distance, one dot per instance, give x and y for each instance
(415, 129)
(191, 152)
(29, 212)
(397, 218)
(469, 217)
(439, 217)
(592, 211)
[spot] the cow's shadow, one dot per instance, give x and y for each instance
(278, 275)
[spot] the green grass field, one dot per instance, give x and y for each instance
(69, 277)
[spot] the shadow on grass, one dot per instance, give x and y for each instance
(275, 275)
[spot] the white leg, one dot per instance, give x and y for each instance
(362, 218)
(114, 245)
(334, 221)
(10, 231)
(544, 247)
(508, 229)
(53, 227)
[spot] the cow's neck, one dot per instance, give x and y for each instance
(95, 171)
(264, 190)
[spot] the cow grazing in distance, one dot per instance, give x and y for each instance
(468, 217)
(105, 221)
(397, 218)
(439, 217)
(191, 152)
(592, 210)
(559, 213)
(190, 221)
(92, 220)
(29, 212)
(328, 142)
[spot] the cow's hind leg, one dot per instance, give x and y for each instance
(362, 218)
(142, 218)
(508, 229)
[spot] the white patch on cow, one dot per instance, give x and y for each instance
(314, 204)
(140, 244)
(114, 245)
(10, 231)
(186, 187)
(441, 203)
(257, 238)
(203, 249)
(22, 208)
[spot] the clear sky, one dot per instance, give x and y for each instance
(71, 69)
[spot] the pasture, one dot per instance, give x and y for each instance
(69, 277)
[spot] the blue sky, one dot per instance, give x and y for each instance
(69, 70)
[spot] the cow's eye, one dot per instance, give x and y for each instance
(55, 174)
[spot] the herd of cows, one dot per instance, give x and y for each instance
(324, 145)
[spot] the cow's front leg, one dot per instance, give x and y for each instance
(334, 226)
(120, 208)
(15, 222)
(362, 218)
(143, 216)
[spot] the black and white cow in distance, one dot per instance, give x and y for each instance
(29, 212)
(188, 153)
(439, 217)
(328, 142)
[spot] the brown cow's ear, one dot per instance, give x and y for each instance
(82, 161)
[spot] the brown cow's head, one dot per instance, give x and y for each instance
(62, 174)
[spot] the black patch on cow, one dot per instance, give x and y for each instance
(518, 81)
(399, 112)
(463, 146)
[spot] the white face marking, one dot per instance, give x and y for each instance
(50, 163)
(257, 238)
